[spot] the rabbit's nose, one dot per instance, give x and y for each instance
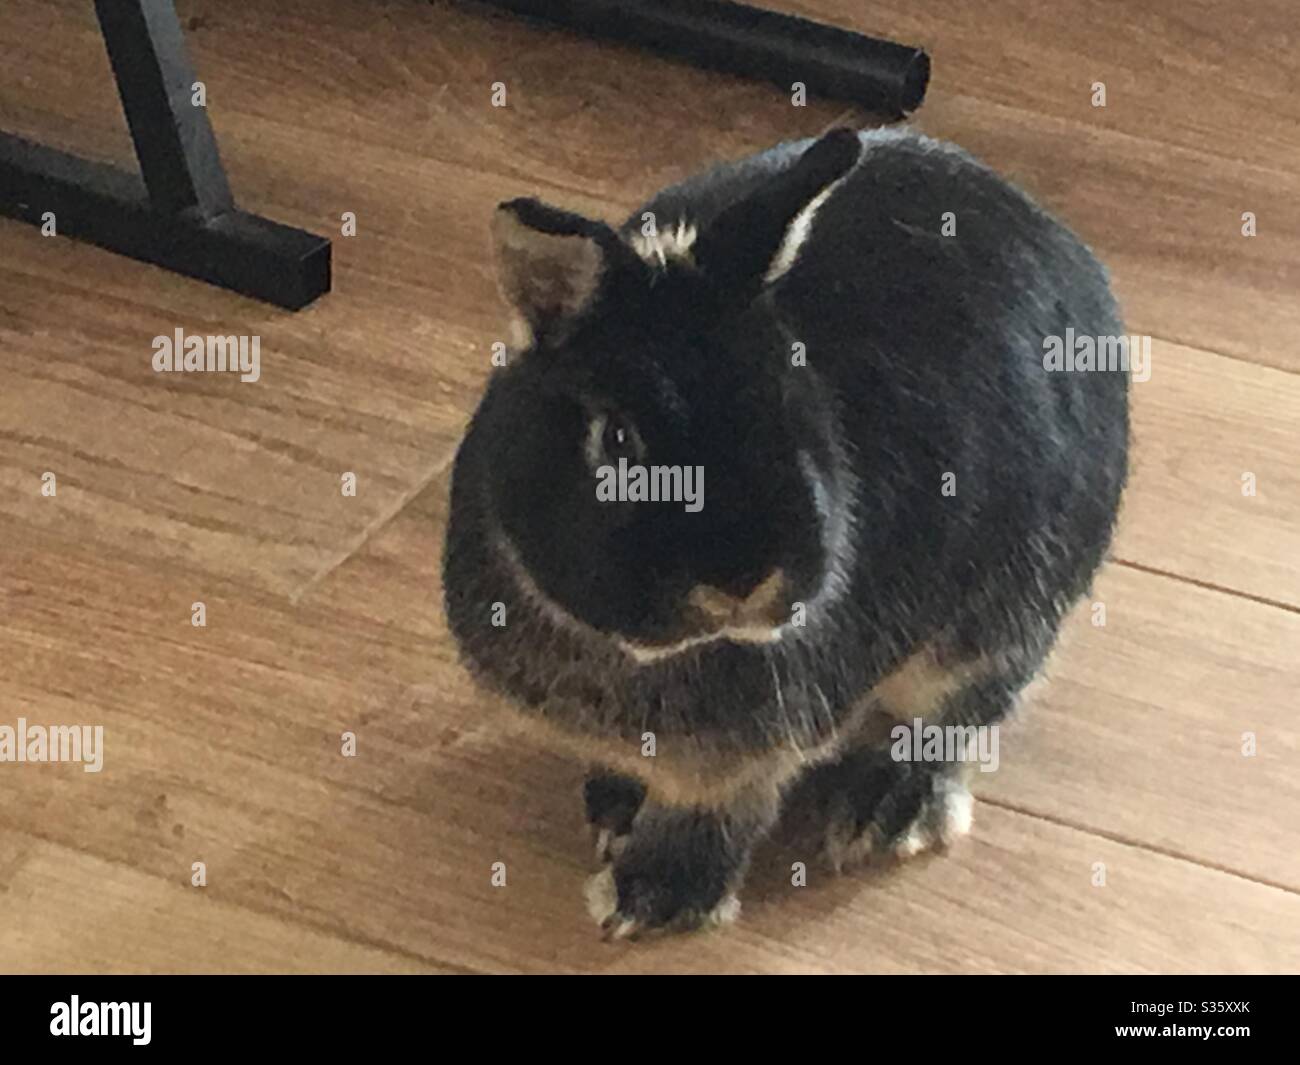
(764, 604)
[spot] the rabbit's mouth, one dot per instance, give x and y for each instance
(714, 614)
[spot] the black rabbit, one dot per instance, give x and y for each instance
(845, 340)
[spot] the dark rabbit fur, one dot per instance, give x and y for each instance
(837, 580)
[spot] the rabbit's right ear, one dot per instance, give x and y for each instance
(757, 239)
(551, 264)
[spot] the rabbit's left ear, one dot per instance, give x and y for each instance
(758, 239)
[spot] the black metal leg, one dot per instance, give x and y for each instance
(173, 139)
(741, 39)
(178, 212)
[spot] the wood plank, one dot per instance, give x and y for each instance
(1167, 222)
(237, 479)
(55, 925)
(1183, 268)
(56, 84)
(1139, 731)
(1200, 425)
(428, 305)
(324, 615)
(1015, 897)
(1175, 677)
(1188, 75)
(237, 745)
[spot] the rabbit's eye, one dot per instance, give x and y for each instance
(611, 438)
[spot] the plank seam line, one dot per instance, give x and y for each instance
(375, 526)
(1164, 852)
(1209, 586)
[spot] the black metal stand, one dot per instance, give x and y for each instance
(882, 76)
(178, 212)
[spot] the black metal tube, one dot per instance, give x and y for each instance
(885, 77)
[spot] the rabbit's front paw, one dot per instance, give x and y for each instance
(894, 810)
(626, 909)
(612, 801)
(678, 870)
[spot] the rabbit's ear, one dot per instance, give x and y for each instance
(550, 262)
(757, 239)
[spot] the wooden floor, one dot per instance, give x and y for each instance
(222, 743)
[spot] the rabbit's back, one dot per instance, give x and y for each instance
(926, 292)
